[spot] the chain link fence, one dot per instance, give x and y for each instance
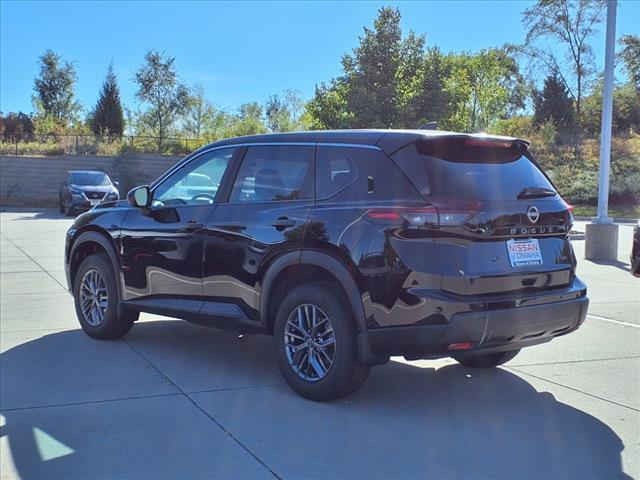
(60, 144)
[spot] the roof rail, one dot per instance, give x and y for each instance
(429, 126)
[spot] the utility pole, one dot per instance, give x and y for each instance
(602, 234)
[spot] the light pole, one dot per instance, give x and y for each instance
(602, 234)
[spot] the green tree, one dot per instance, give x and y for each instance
(372, 70)
(248, 121)
(630, 55)
(483, 88)
(429, 100)
(107, 116)
(328, 108)
(553, 103)
(200, 114)
(160, 87)
(570, 24)
(626, 109)
(54, 88)
(391, 82)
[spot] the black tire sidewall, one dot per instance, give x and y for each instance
(345, 374)
(112, 326)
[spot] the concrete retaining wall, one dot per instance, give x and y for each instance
(35, 181)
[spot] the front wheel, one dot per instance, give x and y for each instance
(316, 341)
(96, 300)
(486, 360)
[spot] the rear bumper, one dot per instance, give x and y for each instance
(486, 331)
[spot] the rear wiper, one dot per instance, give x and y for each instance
(535, 192)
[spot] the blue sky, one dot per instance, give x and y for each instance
(238, 51)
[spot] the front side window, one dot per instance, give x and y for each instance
(275, 173)
(197, 182)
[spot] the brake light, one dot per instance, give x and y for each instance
(460, 346)
(441, 212)
(479, 142)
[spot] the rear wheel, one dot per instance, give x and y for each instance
(96, 300)
(486, 360)
(316, 341)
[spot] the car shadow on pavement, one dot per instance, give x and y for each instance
(613, 263)
(47, 214)
(129, 420)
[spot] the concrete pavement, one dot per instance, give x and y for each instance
(173, 400)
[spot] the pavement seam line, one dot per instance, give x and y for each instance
(90, 402)
(573, 361)
(186, 395)
(34, 261)
(619, 322)
(226, 389)
(575, 389)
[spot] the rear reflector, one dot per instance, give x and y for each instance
(460, 346)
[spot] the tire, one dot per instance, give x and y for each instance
(60, 205)
(67, 210)
(103, 320)
(344, 374)
(486, 360)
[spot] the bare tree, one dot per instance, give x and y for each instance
(571, 23)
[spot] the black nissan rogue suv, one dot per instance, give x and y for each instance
(347, 246)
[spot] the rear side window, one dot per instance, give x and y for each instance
(470, 169)
(375, 177)
(274, 173)
(335, 170)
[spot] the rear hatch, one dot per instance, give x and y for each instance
(501, 226)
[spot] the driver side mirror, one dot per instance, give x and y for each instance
(140, 197)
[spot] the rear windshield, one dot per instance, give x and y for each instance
(91, 179)
(470, 171)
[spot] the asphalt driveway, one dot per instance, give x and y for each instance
(173, 400)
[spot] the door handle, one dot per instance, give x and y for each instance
(192, 225)
(283, 222)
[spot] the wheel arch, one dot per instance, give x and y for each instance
(295, 267)
(92, 241)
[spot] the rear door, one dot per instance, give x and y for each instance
(264, 216)
(502, 227)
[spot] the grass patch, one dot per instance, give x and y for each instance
(632, 212)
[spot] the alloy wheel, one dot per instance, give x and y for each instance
(93, 298)
(309, 342)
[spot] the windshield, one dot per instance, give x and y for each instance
(473, 173)
(89, 178)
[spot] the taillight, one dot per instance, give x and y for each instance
(441, 212)
(567, 206)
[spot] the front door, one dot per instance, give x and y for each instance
(265, 215)
(162, 249)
